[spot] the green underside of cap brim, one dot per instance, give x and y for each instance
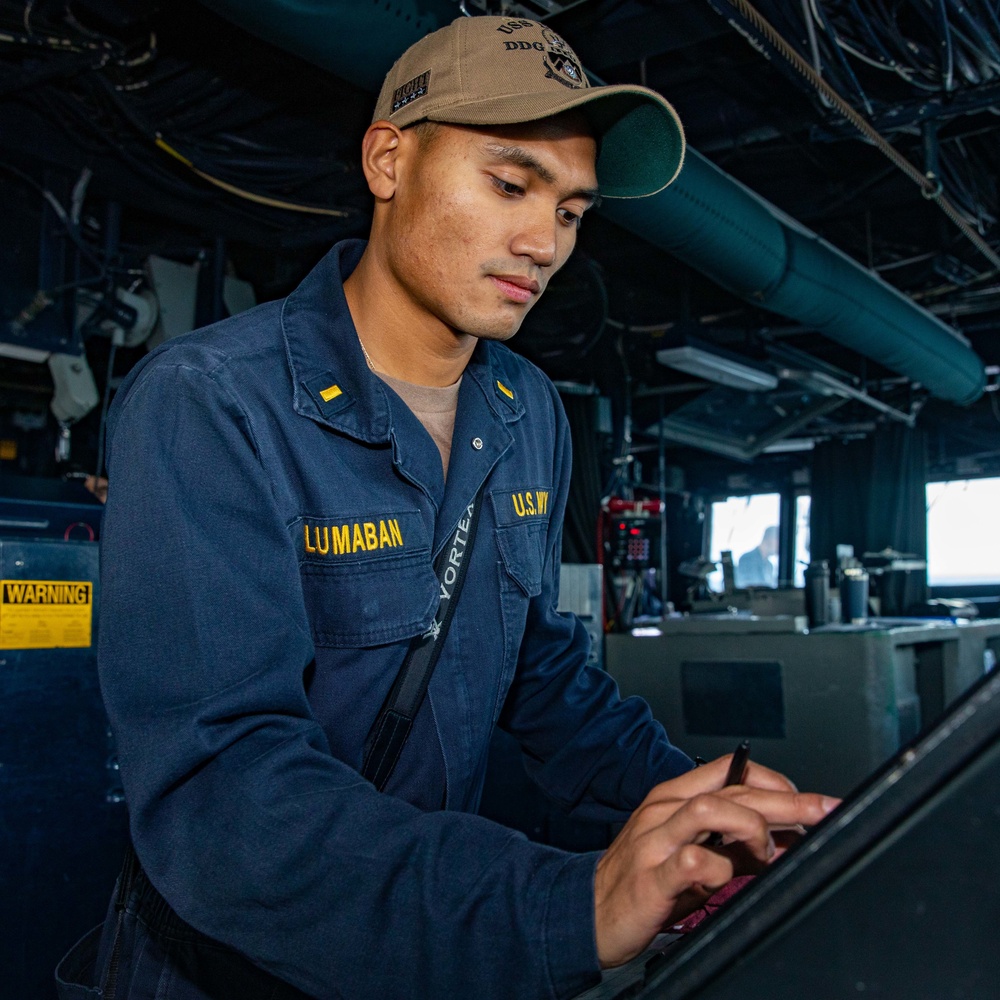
(641, 143)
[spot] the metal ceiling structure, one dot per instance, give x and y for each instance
(706, 219)
(788, 226)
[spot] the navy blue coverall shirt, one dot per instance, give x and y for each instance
(272, 520)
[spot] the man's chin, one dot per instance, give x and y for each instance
(499, 328)
(497, 334)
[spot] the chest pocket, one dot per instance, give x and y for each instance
(522, 556)
(522, 552)
(522, 519)
(366, 581)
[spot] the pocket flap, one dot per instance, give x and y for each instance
(522, 549)
(370, 603)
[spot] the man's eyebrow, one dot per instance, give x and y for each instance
(520, 157)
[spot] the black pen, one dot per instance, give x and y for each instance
(738, 765)
(734, 776)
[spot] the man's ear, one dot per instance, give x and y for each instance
(379, 152)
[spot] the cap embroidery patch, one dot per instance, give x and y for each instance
(560, 61)
(409, 92)
(331, 393)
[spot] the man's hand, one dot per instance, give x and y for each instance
(657, 870)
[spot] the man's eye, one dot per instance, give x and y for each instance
(506, 187)
(570, 218)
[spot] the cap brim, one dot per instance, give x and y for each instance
(640, 137)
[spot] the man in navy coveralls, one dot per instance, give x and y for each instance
(281, 483)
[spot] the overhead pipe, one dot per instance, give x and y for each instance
(357, 40)
(705, 218)
(748, 246)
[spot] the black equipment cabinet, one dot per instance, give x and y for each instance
(62, 813)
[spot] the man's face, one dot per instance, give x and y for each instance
(481, 218)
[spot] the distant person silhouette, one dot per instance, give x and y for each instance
(755, 568)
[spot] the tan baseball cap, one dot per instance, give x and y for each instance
(502, 71)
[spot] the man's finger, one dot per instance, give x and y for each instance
(708, 778)
(782, 808)
(693, 873)
(788, 806)
(704, 815)
(760, 776)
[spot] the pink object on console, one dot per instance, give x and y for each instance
(692, 920)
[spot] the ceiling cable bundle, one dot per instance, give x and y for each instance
(155, 111)
(749, 19)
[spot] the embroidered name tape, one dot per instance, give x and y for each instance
(367, 536)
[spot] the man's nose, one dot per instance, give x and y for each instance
(537, 238)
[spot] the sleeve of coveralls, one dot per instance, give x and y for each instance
(252, 831)
(590, 750)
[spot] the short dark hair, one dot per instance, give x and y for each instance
(425, 132)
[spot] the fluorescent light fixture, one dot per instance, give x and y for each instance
(790, 445)
(714, 366)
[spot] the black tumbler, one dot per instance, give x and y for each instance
(818, 592)
(854, 595)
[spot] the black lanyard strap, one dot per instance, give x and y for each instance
(392, 728)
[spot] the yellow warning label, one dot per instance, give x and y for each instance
(45, 614)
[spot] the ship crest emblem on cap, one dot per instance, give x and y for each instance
(560, 61)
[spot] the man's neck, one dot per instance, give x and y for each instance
(399, 339)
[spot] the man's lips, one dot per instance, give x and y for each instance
(515, 287)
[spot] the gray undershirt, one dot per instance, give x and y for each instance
(434, 406)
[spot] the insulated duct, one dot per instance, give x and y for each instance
(705, 218)
(357, 40)
(717, 226)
